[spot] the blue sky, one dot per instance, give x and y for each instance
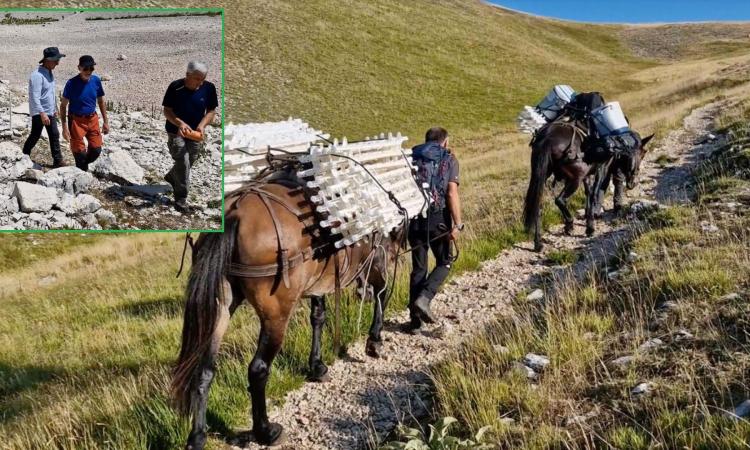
(634, 11)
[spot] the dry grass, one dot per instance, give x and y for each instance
(89, 353)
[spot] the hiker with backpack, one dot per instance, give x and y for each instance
(437, 172)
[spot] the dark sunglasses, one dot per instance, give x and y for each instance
(88, 69)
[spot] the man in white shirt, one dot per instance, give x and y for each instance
(43, 105)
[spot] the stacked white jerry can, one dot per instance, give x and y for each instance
(246, 145)
(552, 105)
(354, 201)
(610, 120)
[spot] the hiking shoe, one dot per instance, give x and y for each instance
(421, 309)
(58, 164)
(413, 327)
(181, 205)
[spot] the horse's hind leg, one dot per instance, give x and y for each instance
(318, 370)
(377, 280)
(274, 313)
(562, 202)
(205, 373)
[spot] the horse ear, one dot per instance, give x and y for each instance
(645, 140)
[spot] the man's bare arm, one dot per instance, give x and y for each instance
(176, 121)
(64, 118)
(208, 118)
(103, 109)
(454, 206)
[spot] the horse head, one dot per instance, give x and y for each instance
(631, 163)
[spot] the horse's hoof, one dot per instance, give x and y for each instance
(373, 349)
(538, 247)
(196, 441)
(617, 209)
(568, 230)
(270, 435)
(319, 373)
(589, 232)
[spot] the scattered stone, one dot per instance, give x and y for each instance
(70, 179)
(633, 256)
(34, 198)
(507, 421)
(121, 57)
(683, 335)
(537, 362)
(32, 175)
(668, 305)
(709, 228)
(642, 389)
(86, 203)
(535, 295)
(22, 109)
(105, 78)
(651, 344)
(730, 297)
(623, 361)
(644, 206)
(523, 370)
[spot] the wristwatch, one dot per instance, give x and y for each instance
(460, 226)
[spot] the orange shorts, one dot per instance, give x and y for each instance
(84, 127)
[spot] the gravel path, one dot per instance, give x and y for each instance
(367, 397)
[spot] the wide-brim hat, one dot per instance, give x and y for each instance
(51, 53)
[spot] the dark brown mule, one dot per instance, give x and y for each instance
(553, 153)
(271, 254)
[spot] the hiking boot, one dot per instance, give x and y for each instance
(58, 164)
(181, 205)
(413, 327)
(421, 309)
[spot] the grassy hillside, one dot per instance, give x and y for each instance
(680, 282)
(88, 358)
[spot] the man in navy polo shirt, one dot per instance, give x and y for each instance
(189, 105)
(82, 93)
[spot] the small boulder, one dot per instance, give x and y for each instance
(105, 217)
(642, 389)
(535, 295)
(622, 361)
(121, 57)
(34, 198)
(651, 344)
(70, 179)
(119, 166)
(537, 362)
(86, 204)
(523, 370)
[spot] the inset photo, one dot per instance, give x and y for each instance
(111, 119)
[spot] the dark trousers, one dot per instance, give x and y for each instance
(184, 153)
(52, 133)
(420, 283)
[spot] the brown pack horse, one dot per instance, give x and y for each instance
(270, 255)
(553, 150)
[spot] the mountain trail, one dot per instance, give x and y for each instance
(366, 398)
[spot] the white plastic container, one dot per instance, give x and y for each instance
(609, 119)
(552, 105)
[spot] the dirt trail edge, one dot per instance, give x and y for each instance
(366, 397)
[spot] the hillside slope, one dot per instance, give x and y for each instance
(350, 67)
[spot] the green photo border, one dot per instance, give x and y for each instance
(223, 109)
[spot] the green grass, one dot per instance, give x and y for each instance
(20, 250)
(89, 359)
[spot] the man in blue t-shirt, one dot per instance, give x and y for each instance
(81, 95)
(189, 105)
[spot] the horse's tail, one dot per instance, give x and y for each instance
(540, 161)
(205, 297)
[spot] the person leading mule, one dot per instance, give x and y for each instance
(437, 169)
